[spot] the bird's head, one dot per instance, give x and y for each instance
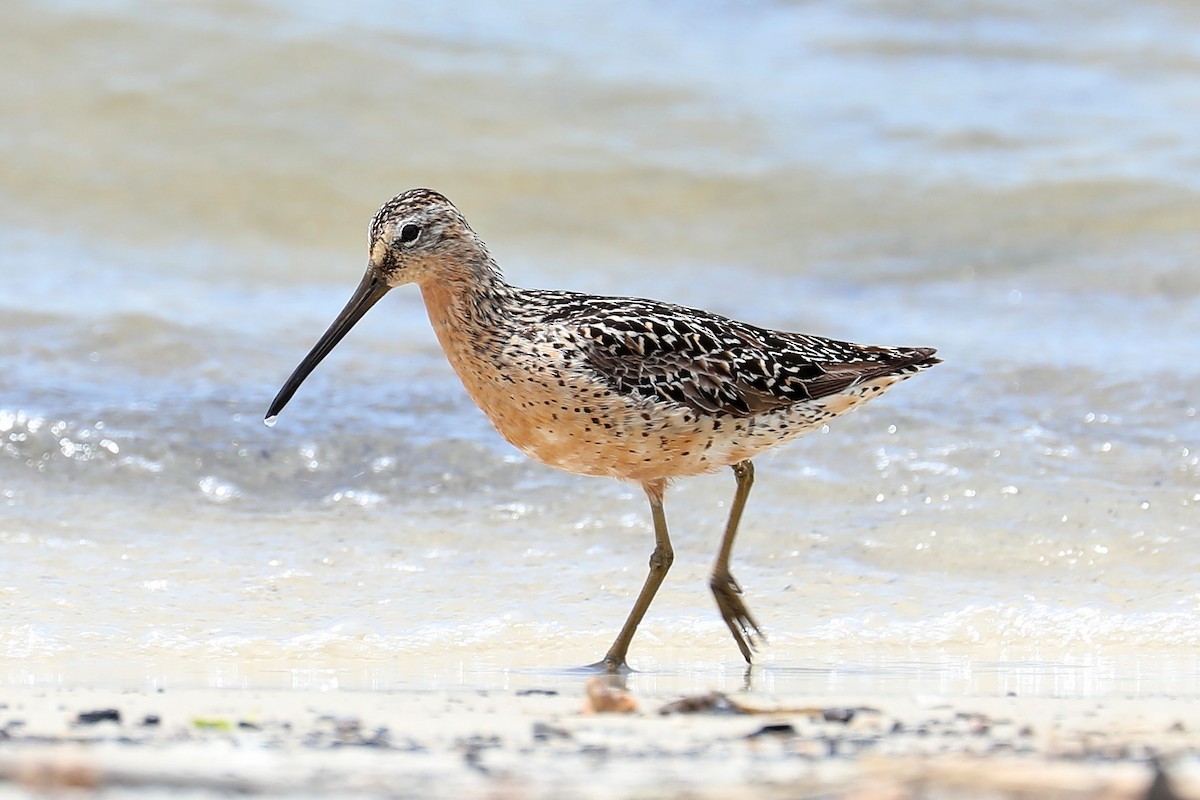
(419, 236)
(416, 237)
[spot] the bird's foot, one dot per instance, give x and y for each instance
(737, 617)
(606, 666)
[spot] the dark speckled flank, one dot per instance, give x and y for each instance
(615, 386)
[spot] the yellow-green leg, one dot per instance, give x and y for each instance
(725, 589)
(660, 562)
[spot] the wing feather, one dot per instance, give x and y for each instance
(716, 365)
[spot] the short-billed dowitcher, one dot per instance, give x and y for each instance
(623, 387)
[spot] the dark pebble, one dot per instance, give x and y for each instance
(531, 692)
(99, 715)
(774, 729)
(543, 731)
(150, 721)
(843, 715)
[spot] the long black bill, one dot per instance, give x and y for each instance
(366, 295)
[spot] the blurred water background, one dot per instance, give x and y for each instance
(183, 205)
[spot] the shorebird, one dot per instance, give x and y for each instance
(628, 388)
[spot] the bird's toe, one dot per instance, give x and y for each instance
(741, 623)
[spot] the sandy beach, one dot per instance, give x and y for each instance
(981, 586)
(551, 742)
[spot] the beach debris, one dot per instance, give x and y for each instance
(544, 731)
(837, 714)
(532, 692)
(99, 715)
(721, 703)
(773, 729)
(473, 748)
(1160, 787)
(51, 776)
(710, 703)
(212, 724)
(973, 723)
(379, 737)
(604, 698)
(347, 731)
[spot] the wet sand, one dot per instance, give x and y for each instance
(549, 743)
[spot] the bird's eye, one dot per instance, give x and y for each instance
(409, 234)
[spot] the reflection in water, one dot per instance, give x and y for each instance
(939, 676)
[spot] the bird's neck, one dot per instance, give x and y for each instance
(469, 308)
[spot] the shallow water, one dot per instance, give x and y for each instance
(182, 213)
